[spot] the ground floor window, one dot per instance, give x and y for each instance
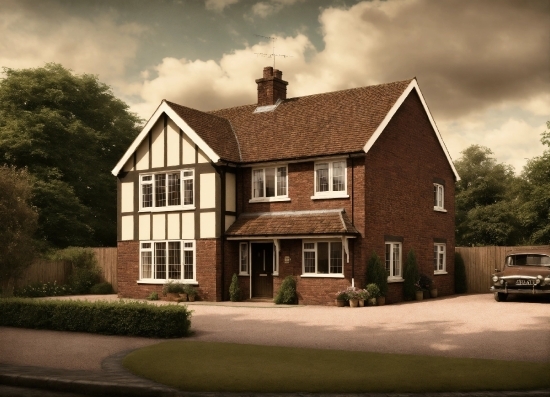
(322, 257)
(393, 260)
(167, 260)
(243, 258)
(439, 258)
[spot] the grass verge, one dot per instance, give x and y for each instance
(229, 367)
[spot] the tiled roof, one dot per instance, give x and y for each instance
(316, 125)
(214, 130)
(292, 223)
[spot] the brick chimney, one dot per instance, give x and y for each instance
(271, 87)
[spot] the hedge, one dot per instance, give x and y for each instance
(110, 318)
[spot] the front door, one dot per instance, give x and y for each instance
(262, 270)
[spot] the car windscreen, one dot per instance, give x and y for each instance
(528, 260)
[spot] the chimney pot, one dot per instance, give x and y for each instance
(268, 72)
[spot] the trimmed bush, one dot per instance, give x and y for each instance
(101, 289)
(119, 318)
(411, 276)
(461, 285)
(287, 292)
(234, 290)
(376, 273)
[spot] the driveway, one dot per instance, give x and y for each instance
(459, 326)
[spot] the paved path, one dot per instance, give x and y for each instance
(464, 326)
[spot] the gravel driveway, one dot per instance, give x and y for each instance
(458, 326)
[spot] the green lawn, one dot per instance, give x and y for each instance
(205, 366)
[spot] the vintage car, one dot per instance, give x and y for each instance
(525, 271)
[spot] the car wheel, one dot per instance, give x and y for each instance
(500, 296)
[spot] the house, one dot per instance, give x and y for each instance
(308, 186)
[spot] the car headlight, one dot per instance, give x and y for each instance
(501, 281)
(495, 279)
(547, 280)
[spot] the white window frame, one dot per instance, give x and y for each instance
(440, 258)
(183, 249)
(330, 193)
(390, 266)
(152, 182)
(315, 251)
(246, 248)
(439, 197)
(278, 196)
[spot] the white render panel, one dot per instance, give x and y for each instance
(172, 144)
(157, 144)
(127, 197)
(174, 226)
(129, 166)
(230, 194)
(202, 157)
(145, 227)
(159, 227)
(208, 225)
(142, 155)
(188, 226)
(208, 191)
(127, 232)
(188, 151)
(229, 220)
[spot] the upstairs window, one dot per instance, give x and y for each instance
(269, 183)
(439, 194)
(393, 261)
(167, 190)
(330, 179)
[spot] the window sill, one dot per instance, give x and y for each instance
(322, 276)
(440, 272)
(268, 199)
(329, 196)
(162, 282)
(396, 280)
(244, 274)
(168, 209)
(440, 209)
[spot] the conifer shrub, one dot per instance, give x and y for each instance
(461, 284)
(287, 292)
(410, 275)
(234, 290)
(376, 273)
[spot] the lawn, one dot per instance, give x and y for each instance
(208, 366)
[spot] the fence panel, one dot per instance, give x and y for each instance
(107, 260)
(45, 271)
(481, 262)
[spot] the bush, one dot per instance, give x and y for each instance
(102, 289)
(234, 290)
(153, 296)
(376, 273)
(173, 288)
(119, 318)
(287, 292)
(189, 290)
(411, 276)
(461, 285)
(425, 282)
(373, 290)
(85, 272)
(39, 290)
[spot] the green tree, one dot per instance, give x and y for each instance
(69, 131)
(18, 222)
(410, 276)
(377, 274)
(486, 209)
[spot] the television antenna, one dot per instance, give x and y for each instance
(272, 55)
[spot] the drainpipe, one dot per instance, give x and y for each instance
(352, 220)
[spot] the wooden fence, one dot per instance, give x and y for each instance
(480, 263)
(49, 271)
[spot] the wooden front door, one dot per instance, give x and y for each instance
(262, 270)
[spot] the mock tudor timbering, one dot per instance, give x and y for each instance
(338, 176)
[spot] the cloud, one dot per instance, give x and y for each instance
(263, 9)
(34, 33)
(218, 5)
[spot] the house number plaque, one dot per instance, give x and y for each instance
(287, 259)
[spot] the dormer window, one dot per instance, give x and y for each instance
(270, 184)
(330, 179)
(167, 190)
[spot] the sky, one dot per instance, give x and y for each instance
(483, 66)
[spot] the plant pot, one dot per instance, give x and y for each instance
(340, 303)
(372, 302)
(426, 294)
(191, 298)
(381, 301)
(172, 296)
(419, 295)
(433, 293)
(183, 297)
(354, 302)
(361, 302)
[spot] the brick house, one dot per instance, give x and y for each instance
(307, 186)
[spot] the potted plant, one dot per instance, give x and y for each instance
(425, 283)
(374, 292)
(353, 297)
(433, 289)
(376, 273)
(363, 296)
(341, 298)
(190, 291)
(419, 293)
(172, 290)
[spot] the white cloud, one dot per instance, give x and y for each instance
(263, 9)
(218, 5)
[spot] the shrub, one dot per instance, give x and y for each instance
(82, 280)
(461, 285)
(118, 318)
(39, 290)
(424, 282)
(287, 292)
(153, 296)
(85, 272)
(102, 289)
(376, 273)
(173, 288)
(411, 276)
(234, 290)
(189, 290)
(373, 290)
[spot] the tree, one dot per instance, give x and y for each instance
(410, 276)
(486, 209)
(69, 131)
(18, 220)
(377, 274)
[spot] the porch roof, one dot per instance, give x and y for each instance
(292, 223)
